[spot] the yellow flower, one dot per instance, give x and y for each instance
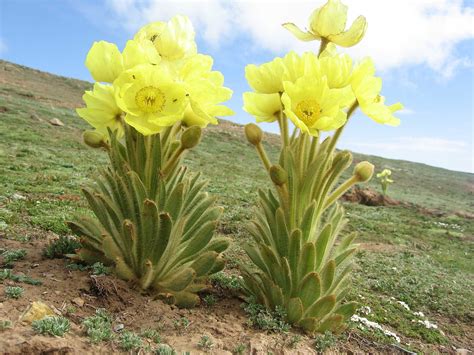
(205, 91)
(104, 61)
(312, 106)
(366, 88)
(294, 65)
(173, 40)
(101, 110)
(384, 173)
(329, 22)
(150, 98)
(264, 107)
(139, 52)
(266, 78)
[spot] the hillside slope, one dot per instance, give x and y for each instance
(419, 253)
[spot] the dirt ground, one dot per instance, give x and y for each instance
(225, 322)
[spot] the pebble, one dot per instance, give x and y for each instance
(78, 301)
(56, 122)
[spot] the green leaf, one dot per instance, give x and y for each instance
(310, 289)
(327, 276)
(321, 307)
(295, 310)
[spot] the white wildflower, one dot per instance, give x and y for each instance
(374, 325)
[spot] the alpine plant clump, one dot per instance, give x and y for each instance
(154, 223)
(301, 263)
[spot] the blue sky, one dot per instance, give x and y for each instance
(425, 57)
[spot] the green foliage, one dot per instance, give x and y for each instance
(60, 247)
(10, 256)
(227, 282)
(294, 341)
(324, 341)
(54, 326)
(181, 324)
(239, 349)
(262, 318)
(165, 349)
(5, 324)
(99, 326)
(205, 343)
(154, 224)
(100, 269)
(209, 300)
(14, 291)
(153, 335)
(130, 341)
(299, 266)
(8, 274)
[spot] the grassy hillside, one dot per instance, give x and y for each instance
(420, 254)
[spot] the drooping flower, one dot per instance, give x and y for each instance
(150, 97)
(174, 40)
(101, 110)
(312, 106)
(329, 22)
(104, 61)
(366, 87)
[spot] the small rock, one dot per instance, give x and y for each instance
(56, 122)
(17, 196)
(78, 301)
(36, 311)
(57, 292)
(119, 327)
(463, 351)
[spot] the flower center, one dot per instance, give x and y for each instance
(150, 99)
(308, 111)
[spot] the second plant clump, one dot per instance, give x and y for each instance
(301, 264)
(154, 223)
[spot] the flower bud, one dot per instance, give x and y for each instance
(278, 175)
(94, 139)
(253, 133)
(363, 171)
(191, 137)
(342, 160)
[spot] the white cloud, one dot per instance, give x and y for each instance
(401, 32)
(451, 154)
(406, 111)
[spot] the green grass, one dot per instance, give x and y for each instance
(10, 256)
(261, 318)
(7, 274)
(60, 247)
(130, 341)
(14, 291)
(421, 258)
(54, 326)
(99, 326)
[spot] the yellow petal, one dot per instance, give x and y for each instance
(298, 33)
(266, 78)
(264, 107)
(104, 61)
(353, 35)
(329, 19)
(140, 52)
